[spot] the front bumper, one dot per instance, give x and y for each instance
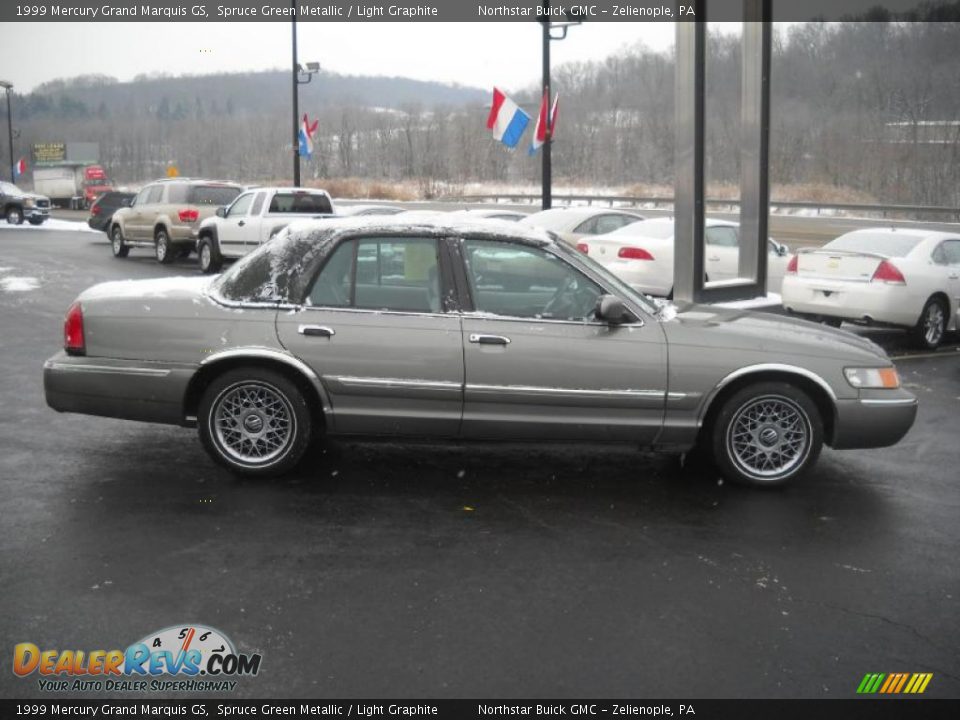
(36, 213)
(878, 418)
(125, 389)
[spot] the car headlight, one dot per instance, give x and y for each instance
(886, 378)
(28, 202)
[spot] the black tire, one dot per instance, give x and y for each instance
(932, 324)
(36, 221)
(117, 245)
(210, 258)
(746, 428)
(14, 215)
(163, 248)
(233, 420)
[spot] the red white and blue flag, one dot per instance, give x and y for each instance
(19, 168)
(506, 119)
(543, 130)
(306, 137)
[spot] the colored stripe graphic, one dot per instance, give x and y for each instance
(894, 683)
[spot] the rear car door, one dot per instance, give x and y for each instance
(374, 329)
(133, 222)
(538, 366)
(948, 255)
(254, 222)
(722, 254)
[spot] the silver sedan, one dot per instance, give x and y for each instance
(449, 329)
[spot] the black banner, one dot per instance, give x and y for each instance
(853, 709)
(463, 10)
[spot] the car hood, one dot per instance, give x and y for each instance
(712, 326)
(33, 196)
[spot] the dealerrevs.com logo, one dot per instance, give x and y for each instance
(188, 658)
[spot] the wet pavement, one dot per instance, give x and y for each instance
(467, 571)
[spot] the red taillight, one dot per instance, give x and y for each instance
(888, 273)
(634, 253)
(73, 341)
(188, 216)
(792, 265)
(95, 210)
(584, 248)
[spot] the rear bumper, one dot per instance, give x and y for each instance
(125, 389)
(876, 419)
(855, 301)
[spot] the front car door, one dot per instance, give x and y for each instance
(374, 329)
(539, 366)
(231, 234)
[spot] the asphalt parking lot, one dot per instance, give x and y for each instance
(467, 571)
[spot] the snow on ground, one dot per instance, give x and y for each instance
(18, 284)
(53, 224)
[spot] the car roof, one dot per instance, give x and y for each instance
(922, 233)
(438, 224)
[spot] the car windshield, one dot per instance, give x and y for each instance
(608, 277)
(884, 243)
(658, 229)
(212, 195)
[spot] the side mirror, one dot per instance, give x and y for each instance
(222, 211)
(783, 250)
(126, 202)
(610, 309)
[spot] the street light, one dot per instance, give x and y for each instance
(8, 86)
(301, 76)
(551, 31)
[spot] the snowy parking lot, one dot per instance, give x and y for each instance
(468, 570)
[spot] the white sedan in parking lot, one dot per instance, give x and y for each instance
(642, 255)
(573, 223)
(906, 278)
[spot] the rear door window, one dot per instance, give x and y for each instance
(301, 203)
(155, 195)
(723, 236)
(257, 203)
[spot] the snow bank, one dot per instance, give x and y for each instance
(53, 224)
(18, 284)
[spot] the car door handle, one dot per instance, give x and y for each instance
(242, 223)
(316, 331)
(489, 339)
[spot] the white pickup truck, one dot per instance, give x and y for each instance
(253, 218)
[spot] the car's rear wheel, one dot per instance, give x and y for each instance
(932, 325)
(14, 215)
(766, 434)
(165, 251)
(119, 248)
(255, 422)
(210, 259)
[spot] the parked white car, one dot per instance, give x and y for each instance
(573, 223)
(906, 278)
(253, 218)
(642, 255)
(492, 213)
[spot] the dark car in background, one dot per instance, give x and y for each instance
(103, 208)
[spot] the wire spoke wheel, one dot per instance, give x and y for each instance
(253, 423)
(768, 437)
(933, 324)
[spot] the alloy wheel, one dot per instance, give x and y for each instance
(253, 423)
(933, 324)
(769, 437)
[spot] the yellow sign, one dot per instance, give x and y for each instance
(49, 152)
(172, 171)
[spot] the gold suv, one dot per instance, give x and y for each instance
(166, 214)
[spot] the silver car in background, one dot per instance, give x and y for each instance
(453, 330)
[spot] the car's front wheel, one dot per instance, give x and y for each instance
(210, 258)
(164, 249)
(932, 325)
(37, 221)
(14, 215)
(766, 434)
(119, 248)
(255, 422)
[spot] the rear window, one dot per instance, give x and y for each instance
(889, 244)
(301, 203)
(212, 195)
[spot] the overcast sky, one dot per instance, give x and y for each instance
(480, 54)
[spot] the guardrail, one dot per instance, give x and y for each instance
(917, 211)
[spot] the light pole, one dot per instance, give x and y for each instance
(8, 86)
(298, 71)
(548, 35)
